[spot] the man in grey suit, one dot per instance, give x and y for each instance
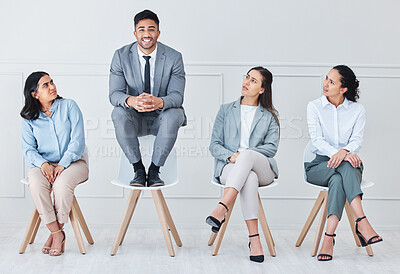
(147, 82)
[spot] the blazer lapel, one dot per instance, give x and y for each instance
(257, 117)
(158, 71)
(236, 113)
(137, 74)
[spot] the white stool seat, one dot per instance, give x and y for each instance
(273, 184)
(364, 184)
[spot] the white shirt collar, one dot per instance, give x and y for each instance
(152, 55)
(325, 102)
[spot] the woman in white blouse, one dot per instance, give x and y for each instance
(336, 126)
(244, 141)
(53, 141)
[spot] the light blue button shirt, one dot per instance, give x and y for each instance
(57, 138)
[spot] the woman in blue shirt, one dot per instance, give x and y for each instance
(53, 142)
(244, 141)
(336, 125)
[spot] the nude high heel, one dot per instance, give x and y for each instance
(56, 252)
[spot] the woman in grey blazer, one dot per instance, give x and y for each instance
(245, 138)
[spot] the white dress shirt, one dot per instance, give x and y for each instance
(152, 61)
(332, 129)
(246, 119)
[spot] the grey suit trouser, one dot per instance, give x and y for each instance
(251, 170)
(130, 124)
(343, 182)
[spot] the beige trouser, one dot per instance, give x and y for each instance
(251, 170)
(63, 191)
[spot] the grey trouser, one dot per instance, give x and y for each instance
(343, 182)
(251, 170)
(130, 124)
(63, 191)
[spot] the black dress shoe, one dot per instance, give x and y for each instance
(139, 179)
(363, 241)
(153, 179)
(214, 222)
(256, 258)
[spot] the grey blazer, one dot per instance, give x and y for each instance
(126, 79)
(225, 139)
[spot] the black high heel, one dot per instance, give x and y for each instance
(327, 255)
(363, 241)
(214, 222)
(256, 258)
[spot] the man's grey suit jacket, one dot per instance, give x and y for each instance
(126, 79)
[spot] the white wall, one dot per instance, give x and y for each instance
(299, 41)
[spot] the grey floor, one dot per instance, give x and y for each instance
(144, 251)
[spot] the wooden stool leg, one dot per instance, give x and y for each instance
(35, 231)
(265, 228)
(135, 201)
(29, 231)
(321, 224)
(223, 228)
(82, 221)
(351, 218)
(311, 218)
(368, 248)
(163, 220)
(212, 238)
(123, 227)
(170, 222)
(77, 231)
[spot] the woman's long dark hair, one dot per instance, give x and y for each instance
(349, 80)
(31, 109)
(265, 99)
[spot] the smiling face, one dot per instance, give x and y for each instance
(332, 86)
(46, 91)
(147, 33)
(252, 84)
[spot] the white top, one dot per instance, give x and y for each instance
(152, 61)
(332, 129)
(246, 119)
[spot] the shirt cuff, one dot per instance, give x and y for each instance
(38, 162)
(351, 147)
(332, 151)
(122, 101)
(65, 161)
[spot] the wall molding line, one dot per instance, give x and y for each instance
(211, 64)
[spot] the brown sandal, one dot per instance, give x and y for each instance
(57, 252)
(46, 249)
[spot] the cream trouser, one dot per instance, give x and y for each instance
(251, 170)
(63, 191)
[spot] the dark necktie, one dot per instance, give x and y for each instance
(147, 75)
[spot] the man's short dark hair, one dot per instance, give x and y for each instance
(146, 14)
